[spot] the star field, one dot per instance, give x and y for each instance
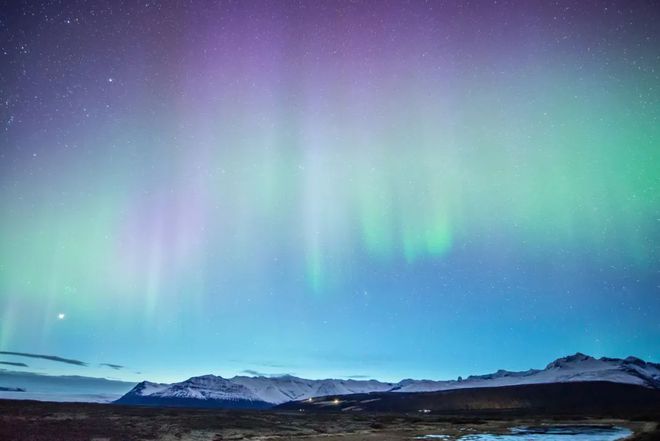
(382, 188)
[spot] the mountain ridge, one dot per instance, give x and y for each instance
(262, 392)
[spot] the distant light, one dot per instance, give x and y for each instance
(335, 401)
(309, 400)
(61, 316)
(110, 80)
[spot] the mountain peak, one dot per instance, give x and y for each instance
(575, 358)
(634, 360)
(147, 388)
(206, 377)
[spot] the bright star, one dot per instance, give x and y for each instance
(61, 316)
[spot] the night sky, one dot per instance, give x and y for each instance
(386, 189)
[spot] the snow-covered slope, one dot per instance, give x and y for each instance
(257, 390)
(148, 388)
(207, 387)
(578, 367)
(204, 391)
(243, 391)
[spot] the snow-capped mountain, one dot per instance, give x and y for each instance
(262, 392)
(278, 390)
(204, 391)
(578, 367)
(245, 392)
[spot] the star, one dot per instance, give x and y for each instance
(61, 316)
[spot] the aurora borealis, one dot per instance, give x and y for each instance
(374, 188)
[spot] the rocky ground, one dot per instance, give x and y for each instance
(36, 421)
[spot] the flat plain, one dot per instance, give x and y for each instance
(41, 421)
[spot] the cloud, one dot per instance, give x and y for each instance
(264, 374)
(273, 365)
(112, 366)
(46, 357)
(253, 373)
(358, 377)
(13, 363)
(266, 364)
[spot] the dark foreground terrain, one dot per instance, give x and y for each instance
(579, 398)
(30, 420)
